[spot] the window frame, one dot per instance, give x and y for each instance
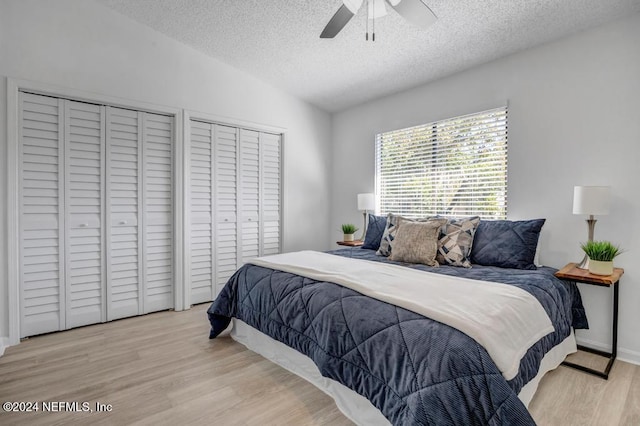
(475, 135)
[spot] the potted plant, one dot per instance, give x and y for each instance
(348, 229)
(601, 254)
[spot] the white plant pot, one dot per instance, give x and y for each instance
(597, 267)
(348, 237)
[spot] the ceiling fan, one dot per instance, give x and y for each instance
(414, 11)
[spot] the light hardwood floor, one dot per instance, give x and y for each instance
(162, 369)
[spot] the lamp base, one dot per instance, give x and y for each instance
(364, 228)
(584, 263)
(591, 224)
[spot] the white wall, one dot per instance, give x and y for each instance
(82, 45)
(574, 119)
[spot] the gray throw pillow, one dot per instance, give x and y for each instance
(417, 242)
(390, 232)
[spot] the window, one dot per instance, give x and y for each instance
(453, 167)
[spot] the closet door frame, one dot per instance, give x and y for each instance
(14, 86)
(187, 116)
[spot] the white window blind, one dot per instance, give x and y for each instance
(453, 167)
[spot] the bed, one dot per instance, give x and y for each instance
(384, 363)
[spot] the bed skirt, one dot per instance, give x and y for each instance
(353, 405)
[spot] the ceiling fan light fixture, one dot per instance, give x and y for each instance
(414, 11)
(353, 5)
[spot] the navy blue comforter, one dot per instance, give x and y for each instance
(413, 369)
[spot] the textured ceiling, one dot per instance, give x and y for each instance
(278, 40)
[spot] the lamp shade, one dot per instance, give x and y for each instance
(366, 201)
(591, 200)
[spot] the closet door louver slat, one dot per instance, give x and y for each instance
(42, 292)
(124, 287)
(84, 139)
(201, 204)
(158, 210)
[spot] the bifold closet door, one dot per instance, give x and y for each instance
(235, 200)
(201, 212)
(61, 214)
(124, 212)
(85, 262)
(225, 186)
(96, 213)
(158, 212)
(140, 212)
(249, 205)
(260, 194)
(42, 269)
(270, 190)
(214, 205)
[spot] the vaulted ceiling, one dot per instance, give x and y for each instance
(278, 40)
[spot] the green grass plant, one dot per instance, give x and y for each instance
(349, 228)
(602, 251)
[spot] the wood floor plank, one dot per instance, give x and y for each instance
(631, 409)
(570, 397)
(162, 369)
(609, 410)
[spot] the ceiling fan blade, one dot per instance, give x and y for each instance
(339, 20)
(414, 11)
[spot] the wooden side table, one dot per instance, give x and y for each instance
(571, 273)
(356, 243)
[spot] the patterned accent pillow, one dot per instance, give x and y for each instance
(390, 232)
(456, 240)
(375, 229)
(417, 242)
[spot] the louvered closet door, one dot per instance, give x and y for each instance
(158, 211)
(225, 206)
(96, 213)
(124, 260)
(249, 194)
(270, 167)
(201, 207)
(42, 293)
(84, 141)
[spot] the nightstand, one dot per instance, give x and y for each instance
(356, 243)
(571, 273)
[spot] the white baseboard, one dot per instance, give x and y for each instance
(625, 355)
(629, 356)
(4, 343)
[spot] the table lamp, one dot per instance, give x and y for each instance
(366, 203)
(591, 200)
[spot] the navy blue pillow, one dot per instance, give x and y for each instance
(507, 244)
(375, 229)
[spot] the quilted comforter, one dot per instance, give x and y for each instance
(413, 369)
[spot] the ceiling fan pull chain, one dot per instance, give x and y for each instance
(373, 17)
(366, 37)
